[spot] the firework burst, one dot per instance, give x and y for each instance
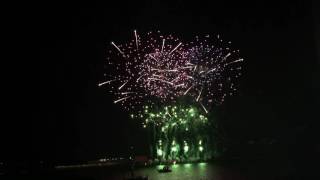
(160, 68)
(146, 68)
(214, 69)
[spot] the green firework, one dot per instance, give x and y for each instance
(177, 132)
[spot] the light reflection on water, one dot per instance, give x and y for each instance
(273, 170)
(189, 171)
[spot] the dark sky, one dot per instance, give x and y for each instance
(68, 117)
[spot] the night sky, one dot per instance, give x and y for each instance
(62, 115)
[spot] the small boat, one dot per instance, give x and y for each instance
(165, 169)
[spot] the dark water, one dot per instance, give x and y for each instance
(215, 171)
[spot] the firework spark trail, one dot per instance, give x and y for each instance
(106, 82)
(123, 85)
(165, 70)
(177, 78)
(195, 67)
(117, 47)
(239, 60)
(153, 57)
(199, 95)
(155, 75)
(211, 70)
(122, 99)
(179, 85)
(163, 40)
(175, 48)
(186, 67)
(226, 56)
(188, 63)
(188, 90)
(139, 77)
(204, 108)
(135, 34)
(156, 79)
(189, 77)
(125, 93)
